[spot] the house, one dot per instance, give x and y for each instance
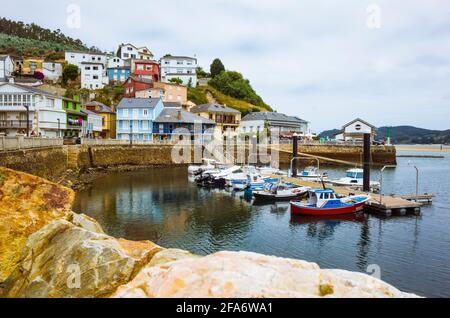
(76, 119)
(52, 71)
(135, 118)
(77, 58)
(174, 121)
(355, 130)
(129, 51)
(171, 93)
(226, 118)
(134, 84)
(285, 126)
(108, 118)
(181, 67)
(93, 75)
(31, 65)
(22, 106)
(93, 126)
(118, 74)
(148, 69)
(114, 61)
(6, 67)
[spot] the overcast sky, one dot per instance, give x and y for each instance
(325, 61)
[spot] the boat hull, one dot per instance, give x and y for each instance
(276, 198)
(297, 209)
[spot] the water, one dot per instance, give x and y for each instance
(161, 205)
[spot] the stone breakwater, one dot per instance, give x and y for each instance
(46, 250)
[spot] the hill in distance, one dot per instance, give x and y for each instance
(405, 135)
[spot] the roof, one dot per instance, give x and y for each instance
(140, 79)
(172, 104)
(359, 119)
(3, 57)
(144, 61)
(103, 107)
(272, 116)
(178, 57)
(88, 112)
(177, 115)
(138, 103)
(214, 108)
(32, 89)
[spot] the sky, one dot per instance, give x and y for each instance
(325, 61)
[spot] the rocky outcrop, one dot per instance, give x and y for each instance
(237, 275)
(27, 203)
(65, 260)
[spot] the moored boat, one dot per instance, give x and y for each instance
(280, 192)
(354, 179)
(325, 202)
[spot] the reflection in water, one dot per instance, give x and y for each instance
(161, 205)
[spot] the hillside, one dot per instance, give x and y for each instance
(18, 38)
(207, 94)
(405, 135)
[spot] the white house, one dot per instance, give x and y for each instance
(283, 125)
(181, 67)
(355, 130)
(6, 67)
(129, 51)
(93, 126)
(93, 75)
(77, 58)
(46, 116)
(114, 62)
(52, 71)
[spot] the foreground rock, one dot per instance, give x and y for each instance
(237, 275)
(27, 203)
(65, 260)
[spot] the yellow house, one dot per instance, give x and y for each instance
(226, 118)
(108, 118)
(31, 65)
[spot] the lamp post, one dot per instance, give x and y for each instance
(59, 128)
(131, 133)
(27, 107)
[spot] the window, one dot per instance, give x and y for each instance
(148, 67)
(87, 68)
(140, 67)
(50, 103)
(179, 62)
(125, 113)
(358, 127)
(129, 49)
(135, 113)
(95, 77)
(126, 55)
(95, 68)
(145, 112)
(145, 124)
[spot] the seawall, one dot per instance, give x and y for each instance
(54, 161)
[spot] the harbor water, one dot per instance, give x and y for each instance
(161, 205)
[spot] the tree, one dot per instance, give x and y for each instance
(201, 73)
(217, 67)
(176, 80)
(190, 83)
(70, 72)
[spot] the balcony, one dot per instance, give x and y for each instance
(15, 124)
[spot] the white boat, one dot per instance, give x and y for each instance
(280, 192)
(355, 179)
(208, 164)
(312, 174)
(268, 171)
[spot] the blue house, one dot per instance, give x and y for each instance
(118, 74)
(135, 117)
(174, 121)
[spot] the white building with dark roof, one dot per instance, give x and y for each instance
(182, 67)
(6, 67)
(355, 130)
(282, 124)
(93, 75)
(77, 58)
(46, 116)
(129, 51)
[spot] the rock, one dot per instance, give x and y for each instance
(64, 260)
(249, 275)
(27, 203)
(170, 255)
(86, 223)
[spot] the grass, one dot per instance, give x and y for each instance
(199, 96)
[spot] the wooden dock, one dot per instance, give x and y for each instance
(388, 206)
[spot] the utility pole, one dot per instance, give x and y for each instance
(294, 172)
(366, 162)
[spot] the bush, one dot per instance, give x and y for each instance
(217, 67)
(70, 72)
(176, 81)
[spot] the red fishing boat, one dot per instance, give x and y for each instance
(325, 202)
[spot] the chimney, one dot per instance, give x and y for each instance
(179, 115)
(11, 80)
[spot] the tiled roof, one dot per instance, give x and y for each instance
(103, 107)
(272, 116)
(360, 120)
(214, 108)
(32, 89)
(88, 112)
(141, 79)
(177, 115)
(138, 103)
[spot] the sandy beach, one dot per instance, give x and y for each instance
(423, 148)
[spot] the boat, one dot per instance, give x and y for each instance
(280, 192)
(354, 179)
(208, 164)
(215, 178)
(325, 202)
(269, 171)
(312, 174)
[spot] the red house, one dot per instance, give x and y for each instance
(135, 83)
(146, 69)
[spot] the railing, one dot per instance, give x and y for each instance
(22, 142)
(14, 123)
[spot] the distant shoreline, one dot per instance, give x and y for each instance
(423, 148)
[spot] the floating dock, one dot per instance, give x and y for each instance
(388, 206)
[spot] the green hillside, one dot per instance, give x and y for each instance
(207, 94)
